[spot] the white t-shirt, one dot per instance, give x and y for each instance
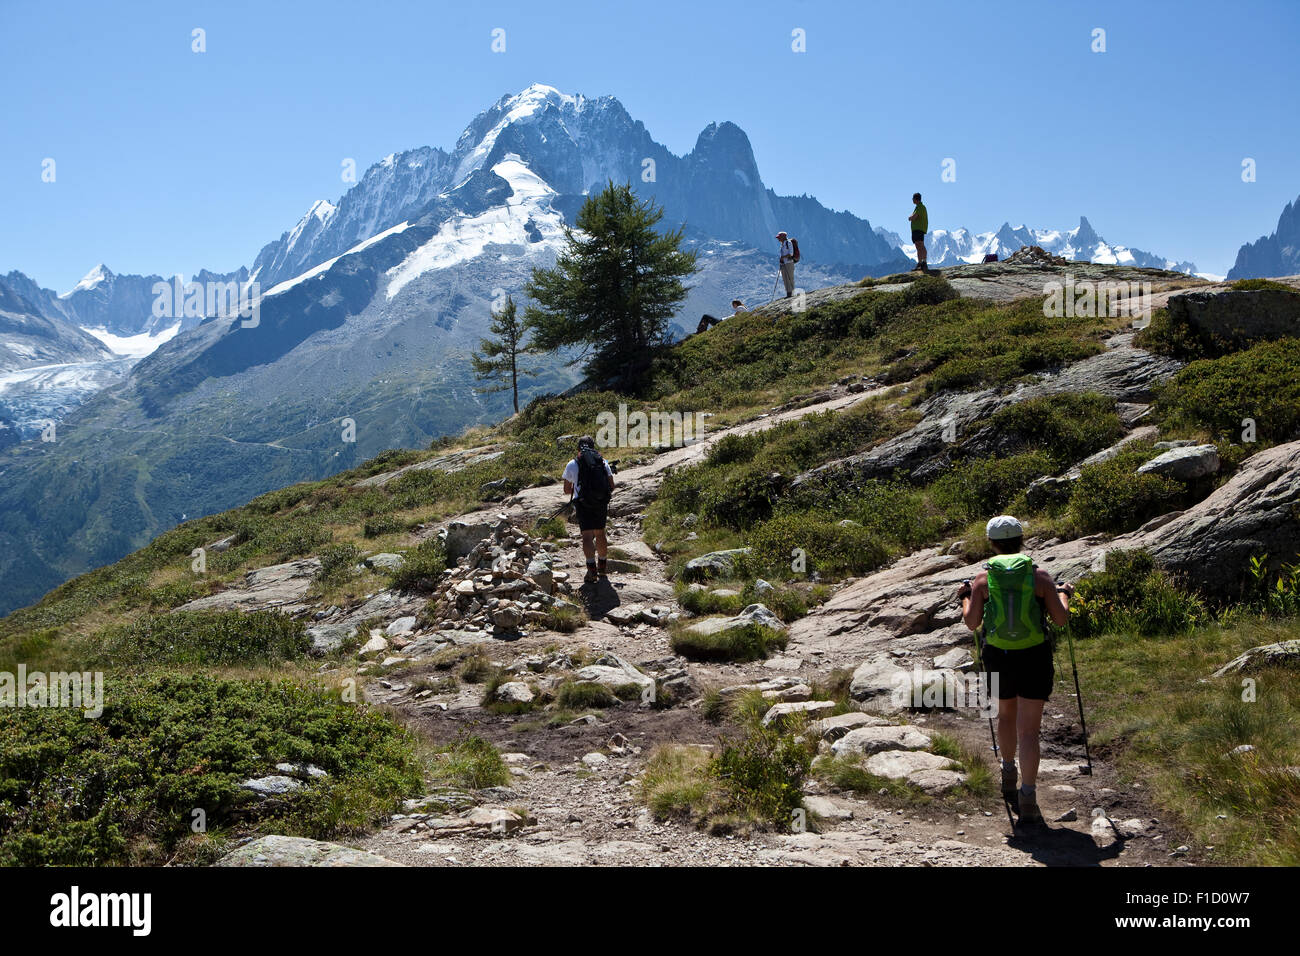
(571, 474)
(787, 250)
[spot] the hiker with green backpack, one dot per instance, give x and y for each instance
(589, 483)
(1006, 606)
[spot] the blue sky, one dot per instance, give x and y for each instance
(169, 160)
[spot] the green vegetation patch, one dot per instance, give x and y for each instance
(200, 639)
(126, 787)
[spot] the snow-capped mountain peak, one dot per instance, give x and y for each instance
(946, 247)
(101, 273)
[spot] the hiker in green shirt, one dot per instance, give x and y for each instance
(920, 220)
(1007, 606)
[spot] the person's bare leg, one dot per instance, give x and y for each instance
(589, 552)
(601, 543)
(1007, 728)
(921, 254)
(1029, 718)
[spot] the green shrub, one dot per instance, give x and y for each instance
(582, 695)
(551, 528)
(980, 488)
(1132, 595)
(1275, 594)
(763, 774)
(1259, 285)
(827, 546)
(174, 594)
(1111, 496)
(470, 762)
(740, 500)
(1260, 383)
(752, 642)
(124, 787)
(1165, 336)
(1067, 427)
(200, 639)
(421, 568)
(379, 525)
(928, 290)
(337, 564)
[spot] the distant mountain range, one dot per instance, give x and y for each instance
(1273, 255)
(368, 309)
(948, 248)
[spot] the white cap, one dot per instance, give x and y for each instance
(1003, 527)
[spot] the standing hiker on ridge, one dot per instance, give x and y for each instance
(589, 483)
(1004, 605)
(789, 256)
(920, 220)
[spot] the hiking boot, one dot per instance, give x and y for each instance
(590, 576)
(602, 567)
(1010, 792)
(918, 267)
(1030, 815)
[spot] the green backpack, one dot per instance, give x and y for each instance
(1013, 616)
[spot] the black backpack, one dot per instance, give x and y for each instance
(593, 479)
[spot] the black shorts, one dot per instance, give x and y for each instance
(1025, 673)
(591, 517)
(918, 235)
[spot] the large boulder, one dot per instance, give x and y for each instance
(612, 671)
(1234, 318)
(1184, 464)
(299, 851)
(754, 614)
(282, 586)
(874, 740)
(715, 564)
(1252, 514)
(1281, 654)
(930, 772)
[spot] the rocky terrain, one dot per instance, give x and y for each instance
(572, 796)
(579, 688)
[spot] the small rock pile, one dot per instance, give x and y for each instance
(504, 580)
(1035, 256)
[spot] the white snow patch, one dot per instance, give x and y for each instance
(466, 237)
(288, 284)
(134, 346)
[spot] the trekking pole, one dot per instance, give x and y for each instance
(776, 283)
(1078, 695)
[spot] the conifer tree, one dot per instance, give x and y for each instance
(614, 288)
(499, 358)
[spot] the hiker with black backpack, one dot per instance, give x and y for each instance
(788, 257)
(1006, 605)
(589, 483)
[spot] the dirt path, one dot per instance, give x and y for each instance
(586, 811)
